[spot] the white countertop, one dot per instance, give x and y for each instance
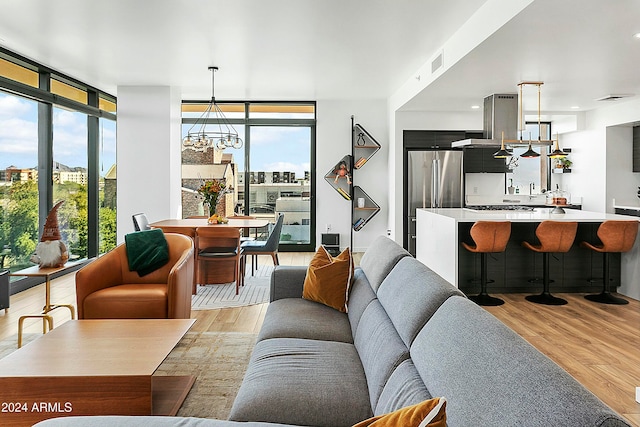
(537, 215)
(627, 205)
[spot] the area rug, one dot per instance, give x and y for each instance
(9, 345)
(217, 359)
(255, 291)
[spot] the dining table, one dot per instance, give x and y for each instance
(190, 224)
(187, 226)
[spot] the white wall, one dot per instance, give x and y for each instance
(601, 155)
(622, 183)
(148, 154)
(333, 141)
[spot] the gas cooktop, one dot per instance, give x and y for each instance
(500, 208)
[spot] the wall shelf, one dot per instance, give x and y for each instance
(340, 178)
(364, 146)
(362, 215)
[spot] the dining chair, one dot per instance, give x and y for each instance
(261, 247)
(245, 231)
(217, 255)
(140, 222)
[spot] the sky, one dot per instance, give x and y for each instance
(273, 148)
(19, 136)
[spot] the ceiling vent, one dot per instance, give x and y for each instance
(614, 97)
(437, 63)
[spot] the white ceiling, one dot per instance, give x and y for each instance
(330, 49)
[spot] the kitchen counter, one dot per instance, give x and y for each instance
(537, 215)
(441, 231)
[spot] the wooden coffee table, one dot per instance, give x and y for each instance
(93, 367)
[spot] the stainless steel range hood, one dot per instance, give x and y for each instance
(500, 115)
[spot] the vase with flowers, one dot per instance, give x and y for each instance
(211, 190)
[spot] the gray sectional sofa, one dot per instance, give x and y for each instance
(408, 336)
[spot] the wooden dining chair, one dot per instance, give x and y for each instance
(245, 231)
(218, 255)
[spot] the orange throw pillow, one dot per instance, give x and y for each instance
(428, 413)
(328, 279)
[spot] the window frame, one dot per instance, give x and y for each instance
(46, 101)
(248, 122)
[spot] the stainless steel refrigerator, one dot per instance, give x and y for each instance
(434, 179)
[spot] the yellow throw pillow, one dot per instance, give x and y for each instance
(429, 413)
(328, 279)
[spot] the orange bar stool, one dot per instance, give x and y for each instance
(554, 237)
(489, 237)
(615, 236)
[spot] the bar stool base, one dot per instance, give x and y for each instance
(487, 300)
(606, 298)
(546, 299)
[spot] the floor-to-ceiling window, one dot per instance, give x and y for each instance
(271, 172)
(56, 135)
(18, 180)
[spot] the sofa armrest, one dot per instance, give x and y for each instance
(287, 281)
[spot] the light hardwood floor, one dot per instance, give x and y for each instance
(598, 344)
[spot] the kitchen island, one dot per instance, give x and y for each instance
(440, 233)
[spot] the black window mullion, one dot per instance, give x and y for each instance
(45, 153)
(93, 180)
(247, 157)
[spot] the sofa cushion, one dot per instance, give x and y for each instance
(469, 356)
(410, 294)
(360, 296)
(380, 348)
(300, 318)
(404, 388)
(379, 258)
(303, 382)
(328, 279)
(430, 413)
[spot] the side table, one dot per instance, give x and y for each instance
(47, 320)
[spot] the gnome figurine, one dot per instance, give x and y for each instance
(51, 251)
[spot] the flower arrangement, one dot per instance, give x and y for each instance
(211, 190)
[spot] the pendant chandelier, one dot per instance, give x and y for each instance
(220, 134)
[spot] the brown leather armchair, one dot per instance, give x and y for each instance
(106, 289)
